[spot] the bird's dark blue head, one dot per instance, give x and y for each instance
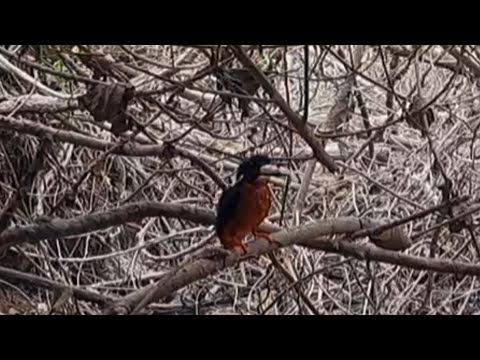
(250, 169)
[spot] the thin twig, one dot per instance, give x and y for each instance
(294, 119)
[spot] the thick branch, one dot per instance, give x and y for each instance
(40, 130)
(38, 104)
(309, 235)
(35, 280)
(58, 228)
(306, 236)
(129, 149)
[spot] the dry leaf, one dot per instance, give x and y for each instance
(97, 168)
(423, 119)
(101, 65)
(341, 112)
(462, 222)
(392, 239)
(238, 81)
(109, 103)
(62, 299)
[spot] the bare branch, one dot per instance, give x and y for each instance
(307, 236)
(129, 149)
(294, 119)
(38, 104)
(39, 281)
(58, 228)
(9, 67)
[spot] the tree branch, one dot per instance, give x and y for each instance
(294, 119)
(10, 68)
(35, 280)
(58, 228)
(131, 149)
(38, 104)
(462, 58)
(308, 236)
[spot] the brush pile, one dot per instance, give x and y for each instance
(89, 129)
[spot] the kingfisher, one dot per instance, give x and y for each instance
(243, 207)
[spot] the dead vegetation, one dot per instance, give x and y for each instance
(112, 159)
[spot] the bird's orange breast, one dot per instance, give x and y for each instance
(253, 207)
(256, 202)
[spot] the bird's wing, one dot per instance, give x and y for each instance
(227, 206)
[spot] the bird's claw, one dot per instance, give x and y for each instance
(266, 236)
(243, 248)
(263, 235)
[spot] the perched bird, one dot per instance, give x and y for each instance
(243, 207)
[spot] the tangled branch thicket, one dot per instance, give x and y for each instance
(112, 159)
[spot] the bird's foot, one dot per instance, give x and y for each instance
(264, 235)
(243, 247)
(244, 252)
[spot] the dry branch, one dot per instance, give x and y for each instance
(24, 185)
(204, 267)
(58, 228)
(37, 104)
(294, 119)
(9, 67)
(406, 53)
(469, 63)
(40, 130)
(309, 236)
(205, 149)
(130, 149)
(47, 70)
(81, 294)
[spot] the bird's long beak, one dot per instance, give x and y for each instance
(275, 169)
